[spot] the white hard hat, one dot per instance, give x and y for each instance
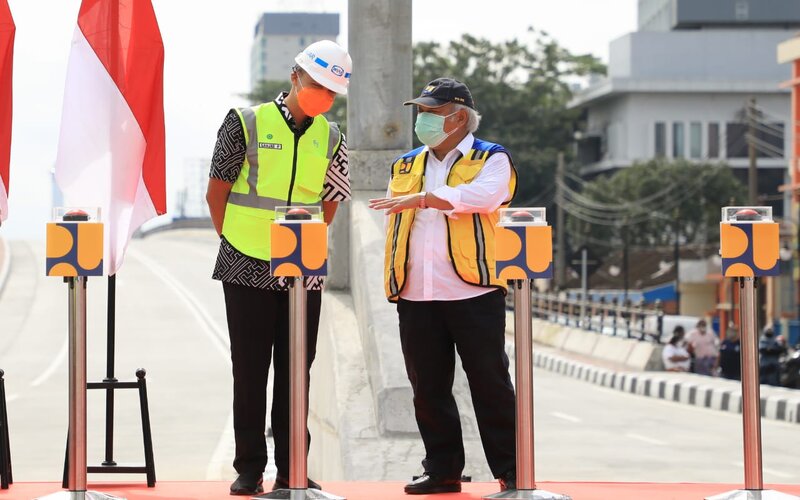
(328, 64)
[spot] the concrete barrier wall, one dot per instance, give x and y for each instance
(325, 457)
(632, 353)
(377, 318)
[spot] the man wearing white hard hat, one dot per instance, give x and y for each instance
(279, 153)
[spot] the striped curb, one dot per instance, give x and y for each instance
(656, 385)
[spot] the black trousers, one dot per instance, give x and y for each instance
(430, 333)
(258, 325)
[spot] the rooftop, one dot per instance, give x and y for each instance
(298, 23)
(718, 61)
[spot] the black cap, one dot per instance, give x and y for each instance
(441, 91)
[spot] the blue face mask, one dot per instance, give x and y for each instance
(430, 128)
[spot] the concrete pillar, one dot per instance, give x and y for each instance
(378, 125)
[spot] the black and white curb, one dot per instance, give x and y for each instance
(656, 385)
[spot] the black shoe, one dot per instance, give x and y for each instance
(427, 484)
(282, 483)
(508, 481)
(248, 484)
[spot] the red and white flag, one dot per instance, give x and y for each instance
(7, 31)
(111, 149)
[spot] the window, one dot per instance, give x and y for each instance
(678, 140)
(713, 140)
(695, 140)
(661, 140)
(769, 140)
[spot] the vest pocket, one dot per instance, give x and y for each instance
(247, 229)
(468, 253)
(405, 183)
(306, 192)
(464, 172)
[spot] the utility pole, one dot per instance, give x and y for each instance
(561, 228)
(625, 282)
(752, 173)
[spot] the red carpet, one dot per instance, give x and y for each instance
(394, 491)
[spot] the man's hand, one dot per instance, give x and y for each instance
(397, 204)
(217, 198)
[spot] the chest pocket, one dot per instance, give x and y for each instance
(464, 172)
(312, 166)
(405, 183)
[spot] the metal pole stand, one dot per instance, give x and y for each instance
(76, 442)
(6, 477)
(298, 404)
(110, 383)
(523, 349)
(751, 403)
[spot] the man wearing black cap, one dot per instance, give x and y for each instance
(442, 207)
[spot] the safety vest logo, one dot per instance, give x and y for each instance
(405, 168)
(270, 145)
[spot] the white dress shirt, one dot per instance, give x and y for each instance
(431, 275)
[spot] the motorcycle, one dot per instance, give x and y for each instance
(790, 369)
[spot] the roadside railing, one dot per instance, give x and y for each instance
(615, 317)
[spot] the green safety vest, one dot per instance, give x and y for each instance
(280, 168)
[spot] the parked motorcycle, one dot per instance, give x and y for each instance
(790, 369)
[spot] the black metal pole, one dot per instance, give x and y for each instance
(5, 447)
(110, 346)
(625, 259)
(146, 432)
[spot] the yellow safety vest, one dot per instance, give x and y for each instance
(280, 169)
(470, 237)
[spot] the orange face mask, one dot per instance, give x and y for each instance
(313, 101)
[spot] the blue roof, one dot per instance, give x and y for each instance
(298, 23)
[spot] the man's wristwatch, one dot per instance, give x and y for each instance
(422, 200)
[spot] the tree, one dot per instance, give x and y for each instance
(521, 90)
(648, 197)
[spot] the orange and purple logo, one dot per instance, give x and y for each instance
(524, 252)
(749, 250)
(74, 249)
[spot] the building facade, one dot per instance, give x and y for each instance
(279, 36)
(684, 95)
(680, 87)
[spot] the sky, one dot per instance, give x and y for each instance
(207, 46)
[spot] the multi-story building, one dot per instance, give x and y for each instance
(679, 88)
(279, 36)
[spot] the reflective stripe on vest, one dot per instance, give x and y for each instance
(270, 176)
(470, 238)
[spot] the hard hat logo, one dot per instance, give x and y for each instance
(328, 64)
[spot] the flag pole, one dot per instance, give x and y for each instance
(110, 347)
(113, 21)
